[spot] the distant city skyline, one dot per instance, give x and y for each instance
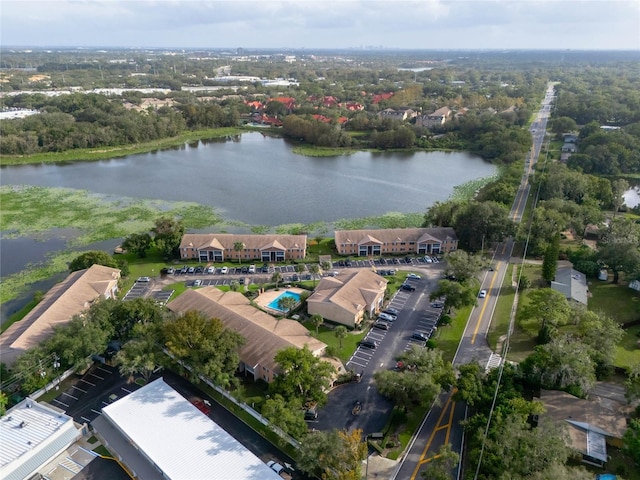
(315, 24)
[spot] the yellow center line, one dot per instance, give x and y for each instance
(484, 305)
(450, 424)
(433, 434)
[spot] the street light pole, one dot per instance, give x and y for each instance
(56, 366)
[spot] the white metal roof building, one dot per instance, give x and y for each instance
(179, 440)
(31, 434)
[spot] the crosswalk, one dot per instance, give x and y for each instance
(494, 361)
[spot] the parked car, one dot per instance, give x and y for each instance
(407, 287)
(381, 324)
(367, 344)
(387, 317)
(419, 336)
(143, 279)
(191, 270)
(252, 269)
(310, 414)
(224, 270)
(170, 271)
(244, 269)
(197, 283)
(427, 259)
(482, 294)
(276, 467)
(211, 269)
(199, 269)
(413, 276)
(437, 304)
(391, 311)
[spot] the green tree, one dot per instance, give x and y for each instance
(482, 223)
(314, 270)
(316, 321)
(462, 265)
(407, 388)
(276, 278)
(204, 345)
(469, 384)
(4, 401)
(141, 355)
(441, 464)
(304, 376)
(92, 257)
(287, 304)
(618, 249)
(547, 306)
(564, 363)
(138, 243)
(289, 418)
(456, 295)
(602, 334)
(631, 440)
(341, 333)
(238, 247)
(168, 234)
(550, 261)
(632, 383)
(333, 455)
(125, 316)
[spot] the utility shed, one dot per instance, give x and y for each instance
(178, 439)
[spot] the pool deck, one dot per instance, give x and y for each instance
(264, 299)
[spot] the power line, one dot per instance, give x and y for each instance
(512, 315)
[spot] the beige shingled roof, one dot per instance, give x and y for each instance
(264, 335)
(391, 235)
(225, 241)
(351, 290)
(66, 299)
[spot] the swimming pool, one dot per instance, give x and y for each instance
(274, 305)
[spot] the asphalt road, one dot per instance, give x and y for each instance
(442, 423)
(415, 314)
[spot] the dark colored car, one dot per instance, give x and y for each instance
(244, 270)
(367, 344)
(310, 414)
(391, 311)
(407, 287)
(419, 336)
(381, 325)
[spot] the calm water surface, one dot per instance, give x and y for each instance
(259, 181)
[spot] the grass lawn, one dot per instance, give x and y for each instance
(20, 314)
(102, 450)
(349, 343)
(448, 337)
(502, 313)
(618, 301)
(628, 350)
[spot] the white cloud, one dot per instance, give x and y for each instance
(334, 23)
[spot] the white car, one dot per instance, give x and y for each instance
(224, 270)
(414, 276)
(197, 283)
(276, 467)
(482, 294)
(211, 269)
(252, 269)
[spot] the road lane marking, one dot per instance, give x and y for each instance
(484, 305)
(433, 434)
(87, 381)
(69, 395)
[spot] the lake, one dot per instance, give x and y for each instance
(258, 180)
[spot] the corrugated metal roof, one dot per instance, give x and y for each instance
(30, 435)
(179, 439)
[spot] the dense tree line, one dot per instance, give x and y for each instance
(94, 121)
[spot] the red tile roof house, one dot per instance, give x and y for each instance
(352, 106)
(382, 96)
(68, 298)
(288, 102)
(218, 247)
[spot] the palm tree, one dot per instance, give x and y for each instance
(314, 270)
(238, 247)
(316, 320)
(340, 333)
(286, 304)
(276, 278)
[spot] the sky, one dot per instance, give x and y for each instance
(315, 24)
